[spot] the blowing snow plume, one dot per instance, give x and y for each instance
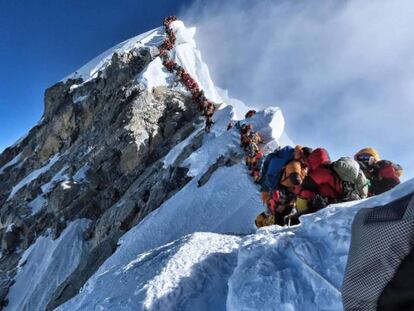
(341, 71)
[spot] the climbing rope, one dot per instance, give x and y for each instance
(205, 106)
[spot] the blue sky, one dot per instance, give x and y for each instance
(43, 41)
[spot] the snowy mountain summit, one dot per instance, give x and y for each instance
(118, 199)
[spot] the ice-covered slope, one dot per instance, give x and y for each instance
(45, 265)
(187, 274)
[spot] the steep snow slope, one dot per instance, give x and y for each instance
(33, 175)
(48, 263)
(188, 274)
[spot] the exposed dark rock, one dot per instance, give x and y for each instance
(10, 239)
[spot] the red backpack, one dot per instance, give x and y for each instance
(329, 185)
(387, 170)
(317, 158)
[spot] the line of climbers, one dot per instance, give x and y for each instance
(297, 181)
(205, 106)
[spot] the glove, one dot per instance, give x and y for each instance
(318, 203)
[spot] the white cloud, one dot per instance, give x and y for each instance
(341, 70)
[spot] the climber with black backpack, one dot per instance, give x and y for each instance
(209, 123)
(245, 138)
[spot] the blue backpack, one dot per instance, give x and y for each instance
(273, 167)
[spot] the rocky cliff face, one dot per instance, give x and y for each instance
(97, 147)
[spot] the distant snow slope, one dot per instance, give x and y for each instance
(45, 265)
